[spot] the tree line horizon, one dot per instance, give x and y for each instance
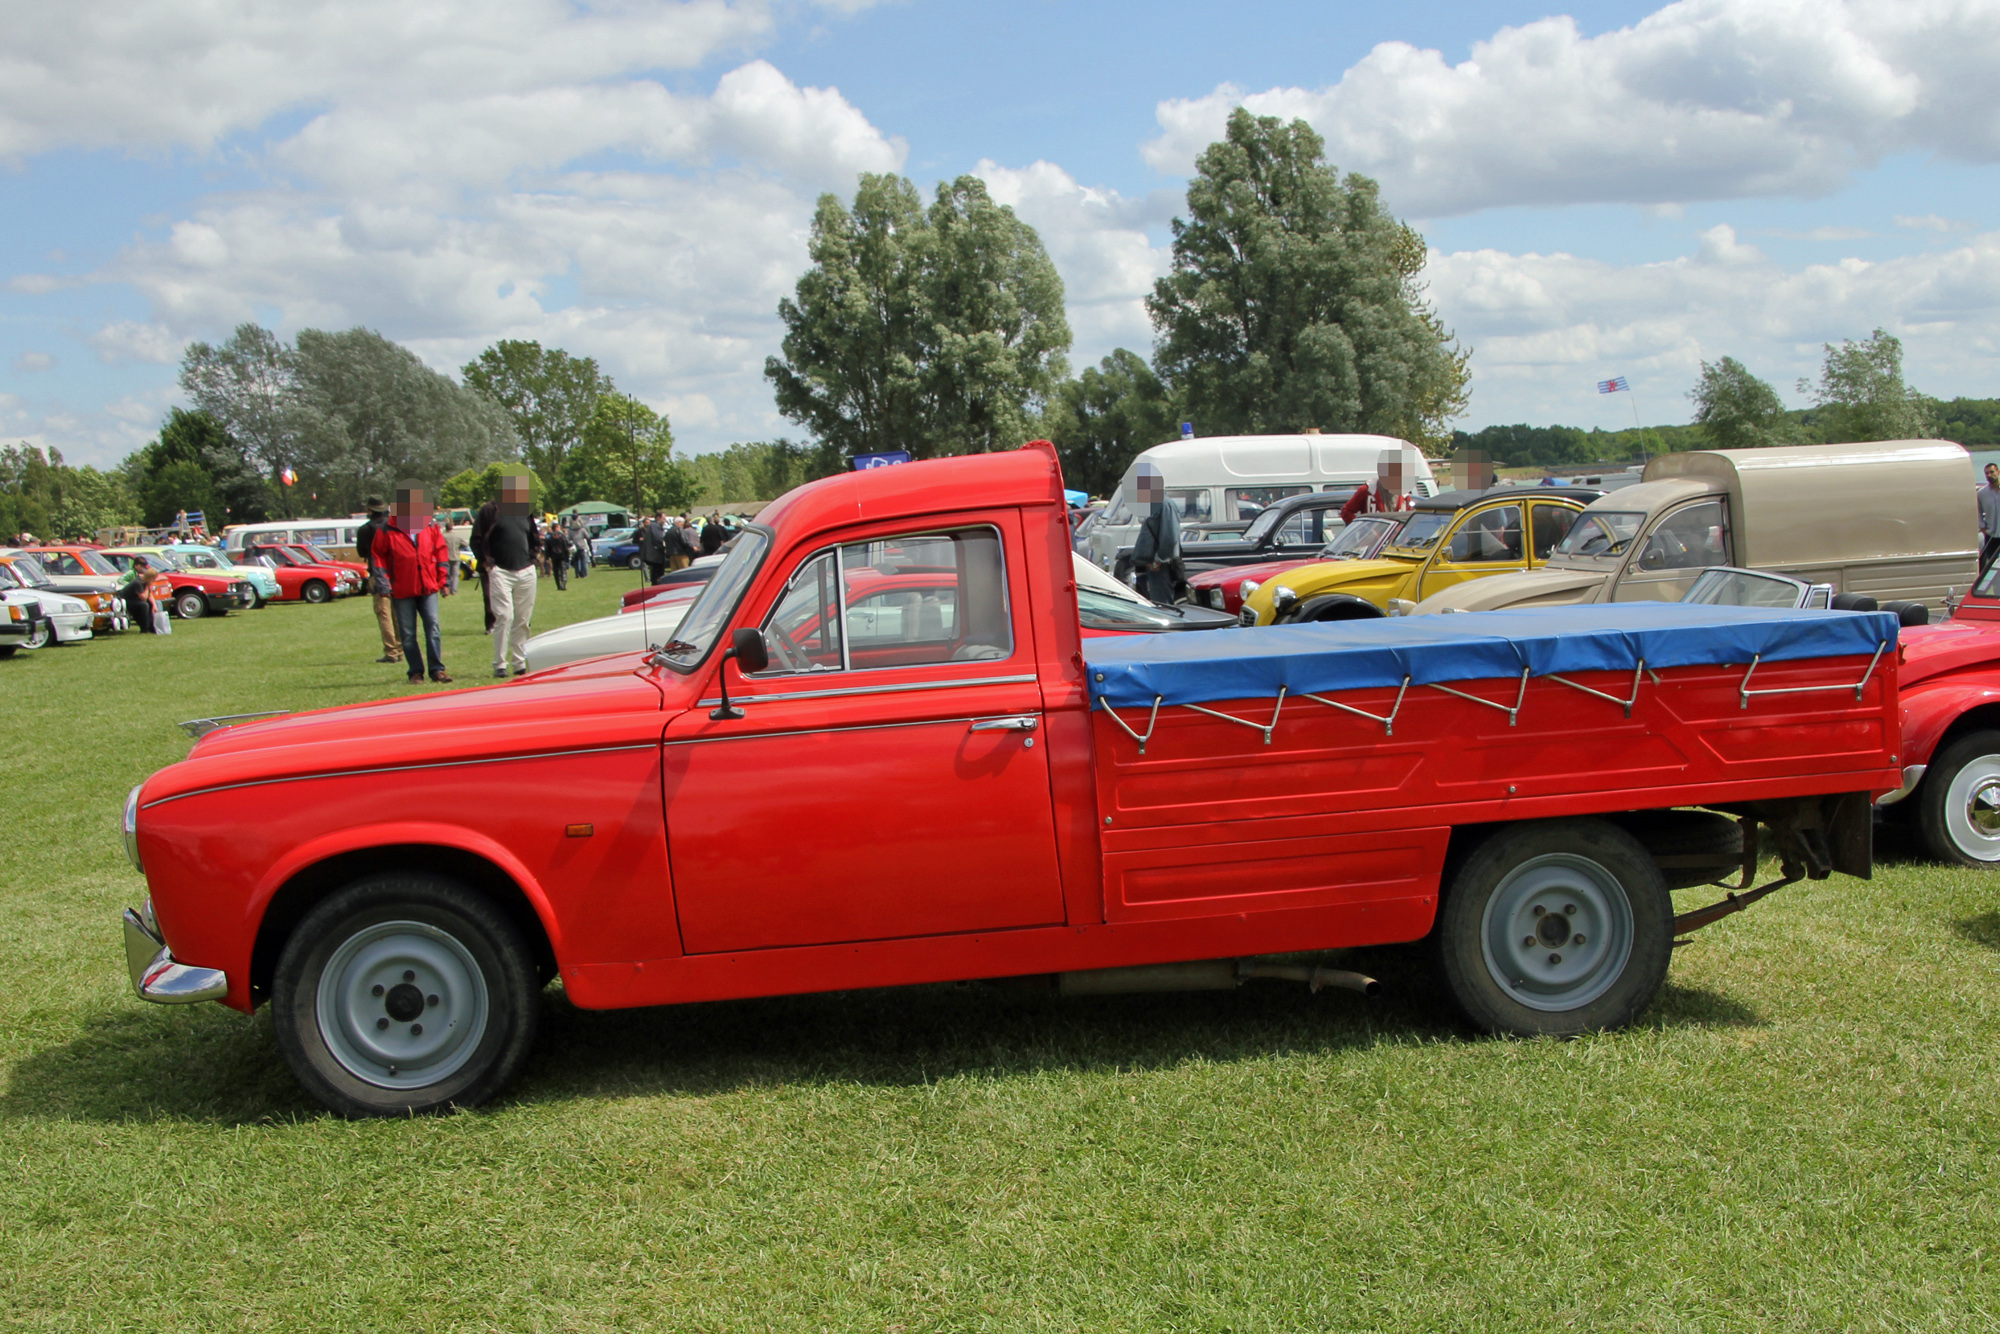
(1293, 302)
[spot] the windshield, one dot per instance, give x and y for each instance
(1424, 528)
(1099, 610)
(1601, 533)
(96, 564)
(741, 555)
(170, 560)
(29, 571)
(7, 579)
(1357, 540)
(315, 552)
(1743, 588)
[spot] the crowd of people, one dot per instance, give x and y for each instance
(671, 543)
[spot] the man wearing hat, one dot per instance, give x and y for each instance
(378, 583)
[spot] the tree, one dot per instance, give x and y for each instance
(939, 332)
(548, 394)
(41, 494)
(627, 458)
(1102, 419)
(759, 470)
(475, 486)
(1861, 394)
(193, 465)
(369, 413)
(1736, 410)
(247, 387)
(1293, 301)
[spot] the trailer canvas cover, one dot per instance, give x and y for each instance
(1352, 655)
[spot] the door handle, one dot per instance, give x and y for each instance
(1026, 722)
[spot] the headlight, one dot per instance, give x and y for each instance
(1249, 589)
(132, 828)
(1401, 606)
(1283, 597)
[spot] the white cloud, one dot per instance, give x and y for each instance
(31, 362)
(1098, 241)
(1705, 99)
(129, 340)
(1546, 327)
(1931, 222)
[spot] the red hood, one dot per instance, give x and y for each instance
(592, 703)
(1932, 650)
(1230, 575)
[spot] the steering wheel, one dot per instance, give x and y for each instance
(790, 656)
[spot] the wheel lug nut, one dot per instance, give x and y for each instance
(1555, 958)
(1538, 910)
(416, 1030)
(1569, 909)
(409, 975)
(433, 1000)
(1527, 942)
(381, 1023)
(1577, 941)
(376, 989)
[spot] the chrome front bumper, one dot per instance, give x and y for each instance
(156, 976)
(1912, 775)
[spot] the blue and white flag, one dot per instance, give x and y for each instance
(1617, 386)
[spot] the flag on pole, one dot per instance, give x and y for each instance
(1617, 386)
(288, 477)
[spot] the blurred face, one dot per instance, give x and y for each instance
(412, 507)
(513, 494)
(1993, 474)
(1148, 487)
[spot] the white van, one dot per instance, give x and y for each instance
(1227, 479)
(333, 536)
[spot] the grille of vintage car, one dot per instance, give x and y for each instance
(1248, 616)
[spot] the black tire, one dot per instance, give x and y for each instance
(191, 605)
(442, 954)
(1958, 802)
(7, 650)
(632, 563)
(1509, 971)
(42, 635)
(316, 591)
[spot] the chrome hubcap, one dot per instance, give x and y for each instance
(1557, 932)
(402, 1005)
(1973, 808)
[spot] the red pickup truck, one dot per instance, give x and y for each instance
(961, 786)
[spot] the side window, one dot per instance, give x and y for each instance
(1493, 534)
(803, 630)
(1691, 538)
(1247, 502)
(1192, 502)
(1552, 525)
(926, 598)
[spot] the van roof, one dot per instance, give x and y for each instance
(1270, 456)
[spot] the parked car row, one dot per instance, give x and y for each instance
(67, 593)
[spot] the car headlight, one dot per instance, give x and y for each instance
(1249, 589)
(132, 828)
(1283, 596)
(1401, 606)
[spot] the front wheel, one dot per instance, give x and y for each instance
(191, 605)
(402, 994)
(1554, 929)
(632, 564)
(44, 631)
(1958, 806)
(315, 591)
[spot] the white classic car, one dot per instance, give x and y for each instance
(63, 619)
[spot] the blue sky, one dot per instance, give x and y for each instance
(1608, 189)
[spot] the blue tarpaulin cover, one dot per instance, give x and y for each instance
(1470, 646)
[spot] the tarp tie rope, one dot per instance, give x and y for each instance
(1744, 691)
(1626, 704)
(1513, 711)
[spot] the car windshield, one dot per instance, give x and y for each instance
(312, 552)
(1744, 588)
(1266, 522)
(29, 571)
(96, 563)
(7, 579)
(1601, 533)
(741, 556)
(170, 560)
(1356, 540)
(1099, 610)
(1423, 529)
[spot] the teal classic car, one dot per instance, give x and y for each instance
(196, 556)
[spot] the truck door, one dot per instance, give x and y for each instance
(889, 777)
(1485, 540)
(1680, 545)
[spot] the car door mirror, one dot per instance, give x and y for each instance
(748, 648)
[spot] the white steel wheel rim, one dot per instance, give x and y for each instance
(1557, 932)
(1972, 808)
(402, 1005)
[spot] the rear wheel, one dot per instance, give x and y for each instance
(191, 605)
(1958, 806)
(632, 563)
(405, 993)
(316, 591)
(1555, 928)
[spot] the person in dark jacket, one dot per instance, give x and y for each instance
(555, 545)
(1156, 552)
(652, 540)
(378, 590)
(508, 543)
(713, 535)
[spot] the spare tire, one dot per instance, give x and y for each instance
(1909, 613)
(1853, 602)
(1692, 847)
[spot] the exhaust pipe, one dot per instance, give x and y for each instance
(1314, 978)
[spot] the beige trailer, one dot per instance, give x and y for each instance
(1894, 519)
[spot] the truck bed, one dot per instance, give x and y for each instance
(1326, 765)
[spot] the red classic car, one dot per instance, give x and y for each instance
(983, 793)
(302, 579)
(192, 593)
(1222, 587)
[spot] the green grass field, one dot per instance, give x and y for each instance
(1800, 1135)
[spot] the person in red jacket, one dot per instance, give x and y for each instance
(1392, 471)
(414, 560)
